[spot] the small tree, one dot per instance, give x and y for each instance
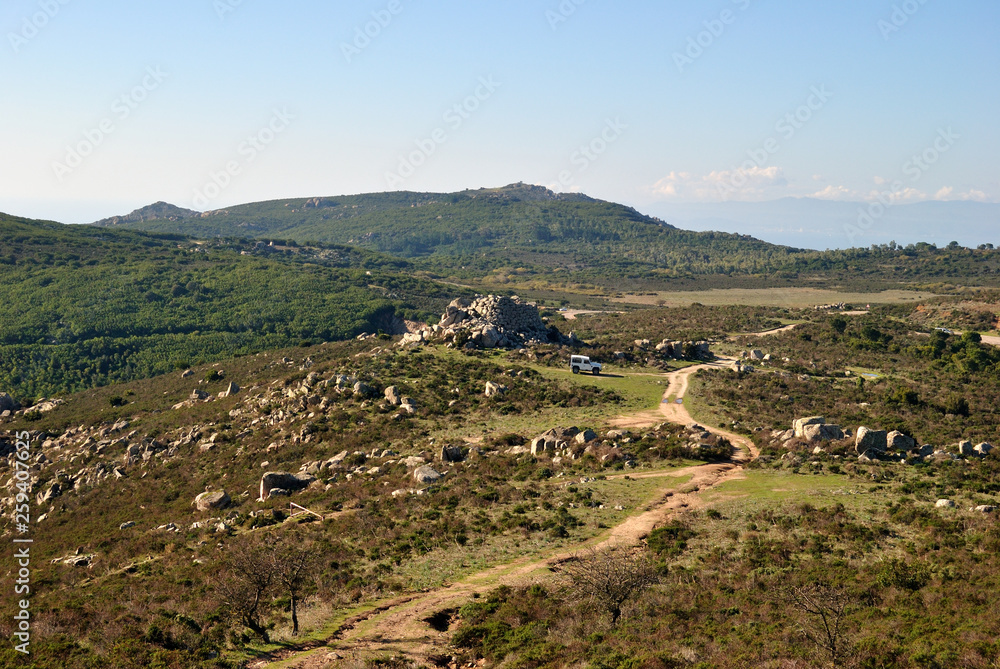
(246, 579)
(296, 563)
(825, 609)
(610, 578)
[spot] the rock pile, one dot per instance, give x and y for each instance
(870, 445)
(490, 321)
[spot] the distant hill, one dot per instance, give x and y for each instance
(160, 211)
(486, 230)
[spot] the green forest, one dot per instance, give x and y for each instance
(83, 306)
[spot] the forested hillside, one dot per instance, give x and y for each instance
(530, 237)
(82, 306)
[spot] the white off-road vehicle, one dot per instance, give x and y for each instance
(581, 363)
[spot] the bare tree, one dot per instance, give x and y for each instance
(248, 573)
(825, 608)
(296, 563)
(610, 578)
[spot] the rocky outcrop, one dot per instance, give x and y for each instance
(813, 428)
(494, 321)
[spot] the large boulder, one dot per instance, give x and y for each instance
(822, 432)
(490, 337)
(799, 425)
(392, 396)
(207, 501)
(283, 481)
(870, 442)
(983, 449)
(965, 448)
(897, 441)
(586, 436)
(426, 474)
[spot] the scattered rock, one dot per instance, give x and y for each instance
(451, 454)
(945, 504)
(231, 389)
(126, 525)
(362, 389)
(207, 501)
(426, 474)
(494, 389)
(413, 461)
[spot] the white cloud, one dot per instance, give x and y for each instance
(839, 193)
(948, 193)
(756, 183)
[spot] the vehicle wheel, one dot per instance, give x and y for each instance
(576, 370)
(596, 372)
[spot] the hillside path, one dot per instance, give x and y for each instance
(403, 625)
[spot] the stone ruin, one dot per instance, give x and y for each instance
(492, 321)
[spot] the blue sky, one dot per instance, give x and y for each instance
(111, 105)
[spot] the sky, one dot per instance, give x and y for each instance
(111, 105)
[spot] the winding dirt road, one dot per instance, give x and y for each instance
(403, 625)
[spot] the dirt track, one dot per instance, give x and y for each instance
(401, 625)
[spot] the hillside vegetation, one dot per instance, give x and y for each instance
(83, 306)
(527, 237)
